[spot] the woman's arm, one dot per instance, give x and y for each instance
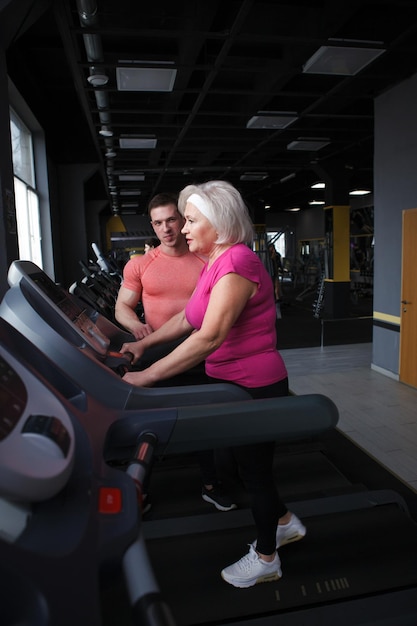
(227, 301)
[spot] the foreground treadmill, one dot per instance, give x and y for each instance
(70, 525)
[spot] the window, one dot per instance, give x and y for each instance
(278, 239)
(26, 197)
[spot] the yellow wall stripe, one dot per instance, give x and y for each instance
(383, 317)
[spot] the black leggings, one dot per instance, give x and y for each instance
(255, 466)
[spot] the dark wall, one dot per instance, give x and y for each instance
(395, 184)
(8, 234)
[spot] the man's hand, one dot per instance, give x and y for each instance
(140, 330)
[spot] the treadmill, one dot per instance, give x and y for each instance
(71, 531)
(352, 567)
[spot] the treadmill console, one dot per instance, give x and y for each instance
(36, 436)
(63, 311)
(67, 520)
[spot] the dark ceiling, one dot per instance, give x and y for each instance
(234, 60)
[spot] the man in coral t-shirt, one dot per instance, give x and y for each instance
(163, 279)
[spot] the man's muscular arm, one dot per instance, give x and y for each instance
(126, 304)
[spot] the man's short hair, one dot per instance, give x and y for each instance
(162, 199)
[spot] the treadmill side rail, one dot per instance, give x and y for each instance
(288, 418)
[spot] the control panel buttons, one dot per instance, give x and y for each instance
(110, 500)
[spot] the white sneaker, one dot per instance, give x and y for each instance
(287, 533)
(250, 570)
(293, 531)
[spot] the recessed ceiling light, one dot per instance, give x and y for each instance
(144, 62)
(359, 192)
(137, 143)
(145, 79)
(272, 119)
(132, 177)
(340, 60)
(318, 186)
(305, 143)
(316, 202)
(251, 176)
(294, 209)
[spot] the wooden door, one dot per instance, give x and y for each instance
(408, 335)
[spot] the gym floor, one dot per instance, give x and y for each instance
(377, 413)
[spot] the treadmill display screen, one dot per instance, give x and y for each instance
(57, 295)
(72, 311)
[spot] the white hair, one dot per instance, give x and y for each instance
(224, 209)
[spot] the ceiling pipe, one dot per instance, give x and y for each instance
(87, 12)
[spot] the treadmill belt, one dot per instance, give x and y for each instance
(350, 555)
(176, 483)
(356, 566)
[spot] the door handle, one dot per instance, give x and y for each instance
(405, 302)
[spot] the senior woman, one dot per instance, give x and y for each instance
(230, 323)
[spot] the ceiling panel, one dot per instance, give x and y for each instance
(234, 61)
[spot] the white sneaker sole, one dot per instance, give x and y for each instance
(296, 537)
(244, 584)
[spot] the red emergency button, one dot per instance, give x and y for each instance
(110, 500)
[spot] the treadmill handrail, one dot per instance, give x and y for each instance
(287, 418)
(207, 426)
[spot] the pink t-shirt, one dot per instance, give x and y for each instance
(164, 283)
(248, 356)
